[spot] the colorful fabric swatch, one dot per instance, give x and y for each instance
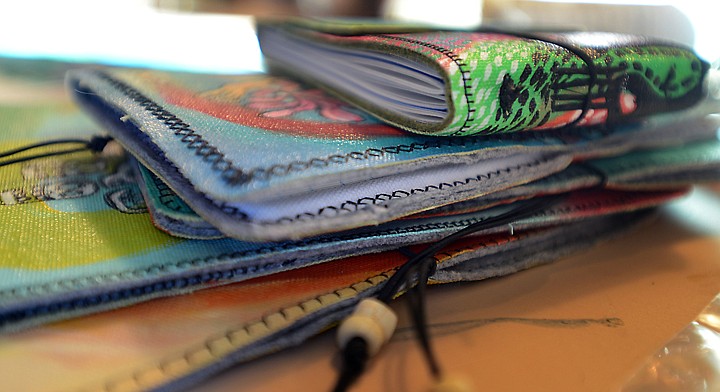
(263, 158)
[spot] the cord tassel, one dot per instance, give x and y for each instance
(95, 144)
(361, 335)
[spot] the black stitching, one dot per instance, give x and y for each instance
(193, 140)
(238, 176)
(222, 274)
(169, 200)
(462, 66)
(585, 206)
(235, 176)
(380, 198)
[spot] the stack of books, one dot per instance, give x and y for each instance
(363, 145)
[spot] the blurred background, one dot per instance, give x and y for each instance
(217, 35)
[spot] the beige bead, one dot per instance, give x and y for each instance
(371, 320)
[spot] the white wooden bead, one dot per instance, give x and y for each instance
(363, 327)
(371, 320)
(380, 312)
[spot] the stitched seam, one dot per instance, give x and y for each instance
(154, 270)
(380, 198)
(189, 137)
(167, 196)
(237, 176)
(126, 293)
(161, 156)
(163, 115)
(454, 252)
(462, 66)
(209, 231)
(585, 206)
(157, 269)
(230, 338)
(211, 154)
(647, 161)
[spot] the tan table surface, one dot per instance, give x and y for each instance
(587, 322)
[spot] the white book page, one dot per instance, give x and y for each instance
(411, 89)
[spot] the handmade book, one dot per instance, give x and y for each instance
(78, 238)
(263, 158)
(644, 171)
(468, 82)
(302, 181)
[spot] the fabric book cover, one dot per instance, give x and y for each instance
(468, 82)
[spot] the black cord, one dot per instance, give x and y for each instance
(591, 67)
(602, 176)
(418, 311)
(420, 267)
(399, 279)
(95, 144)
(42, 144)
(354, 357)
(577, 51)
